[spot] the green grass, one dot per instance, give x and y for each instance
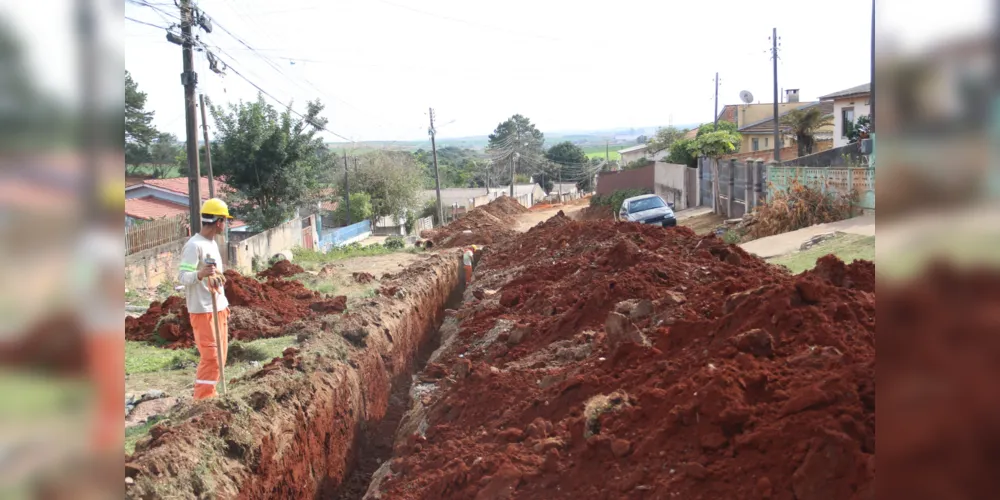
(31, 396)
(141, 357)
(303, 257)
(133, 434)
(599, 152)
(169, 173)
(847, 247)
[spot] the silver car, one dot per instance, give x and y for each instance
(647, 209)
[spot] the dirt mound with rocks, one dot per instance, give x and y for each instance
(258, 310)
(485, 225)
(616, 360)
(281, 269)
(595, 213)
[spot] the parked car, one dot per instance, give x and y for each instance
(647, 209)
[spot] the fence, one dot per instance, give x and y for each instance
(835, 180)
(740, 185)
(151, 234)
(330, 238)
(267, 244)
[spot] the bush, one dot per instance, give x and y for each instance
(394, 243)
(614, 200)
(798, 207)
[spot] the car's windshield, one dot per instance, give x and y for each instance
(645, 204)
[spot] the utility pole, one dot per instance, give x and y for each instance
(347, 189)
(513, 162)
(774, 56)
(437, 177)
(85, 26)
(716, 122)
(560, 182)
(871, 114)
(190, 80)
(208, 148)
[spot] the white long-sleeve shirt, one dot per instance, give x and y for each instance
(199, 298)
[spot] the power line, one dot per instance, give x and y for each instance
(145, 23)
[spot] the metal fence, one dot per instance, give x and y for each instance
(706, 179)
(145, 235)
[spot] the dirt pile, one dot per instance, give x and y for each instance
(595, 213)
(626, 361)
(281, 269)
(485, 225)
(258, 310)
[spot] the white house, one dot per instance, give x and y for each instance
(848, 106)
(634, 153)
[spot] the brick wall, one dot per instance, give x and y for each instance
(639, 178)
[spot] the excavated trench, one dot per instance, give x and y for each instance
(318, 422)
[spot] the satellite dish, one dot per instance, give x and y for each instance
(746, 96)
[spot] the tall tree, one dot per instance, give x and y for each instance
(515, 137)
(271, 159)
(569, 164)
(392, 180)
(804, 124)
(681, 153)
(139, 131)
(664, 138)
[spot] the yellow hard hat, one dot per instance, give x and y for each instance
(217, 207)
(113, 195)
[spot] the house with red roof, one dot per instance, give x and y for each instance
(154, 199)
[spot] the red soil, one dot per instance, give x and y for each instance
(486, 225)
(281, 269)
(259, 310)
(746, 382)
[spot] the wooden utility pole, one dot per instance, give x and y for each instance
(208, 148)
(716, 122)
(347, 189)
(777, 125)
(190, 80)
(437, 177)
(513, 161)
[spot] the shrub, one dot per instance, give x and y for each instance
(394, 243)
(798, 207)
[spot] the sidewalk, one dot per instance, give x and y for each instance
(687, 213)
(781, 244)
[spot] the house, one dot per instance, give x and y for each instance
(163, 198)
(848, 105)
(759, 135)
(638, 152)
(563, 188)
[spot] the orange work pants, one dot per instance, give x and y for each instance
(208, 372)
(468, 274)
(106, 356)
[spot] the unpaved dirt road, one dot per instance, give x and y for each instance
(535, 217)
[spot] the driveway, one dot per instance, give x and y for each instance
(781, 244)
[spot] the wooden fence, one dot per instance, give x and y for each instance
(151, 234)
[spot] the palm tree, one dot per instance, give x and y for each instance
(804, 124)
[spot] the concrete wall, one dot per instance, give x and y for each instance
(862, 107)
(149, 268)
(672, 182)
(265, 245)
(836, 157)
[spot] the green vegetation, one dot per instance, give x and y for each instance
(135, 433)
(847, 247)
(361, 208)
(598, 151)
(805, 123)
(614, 200)
(257, 350)
(142, 357)
(314, 258)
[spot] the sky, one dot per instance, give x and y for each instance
(378, 65)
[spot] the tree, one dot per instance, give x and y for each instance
(664, 139)
(569, 164)
(516, 137)
(681, 153)
(271, 159)
(392, 180)
(715, 145)
(804, 124)
(707, 128)
(361, 208)
(860, 129)
(139, 132)
(164, 149)
(641, 139)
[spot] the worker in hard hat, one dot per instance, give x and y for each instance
(96, 282)
(201, 275)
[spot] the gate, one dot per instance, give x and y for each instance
(307, 234)
(705, 181)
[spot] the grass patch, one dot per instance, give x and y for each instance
(31, 395)
(134, 434)
(847, 247)
(312, 259)
(257, 350)
(142, 357)
(599, 152)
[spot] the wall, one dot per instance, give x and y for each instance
(746, 145)
(756, 112)
(670, 182)
(638, 178)
(789, 152)
(265, 245)
(149, 268)
(861, 108)
(835, 157)
(346, 235)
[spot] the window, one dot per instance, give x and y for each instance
(847, 119)
(755, 144)
(765, 143)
